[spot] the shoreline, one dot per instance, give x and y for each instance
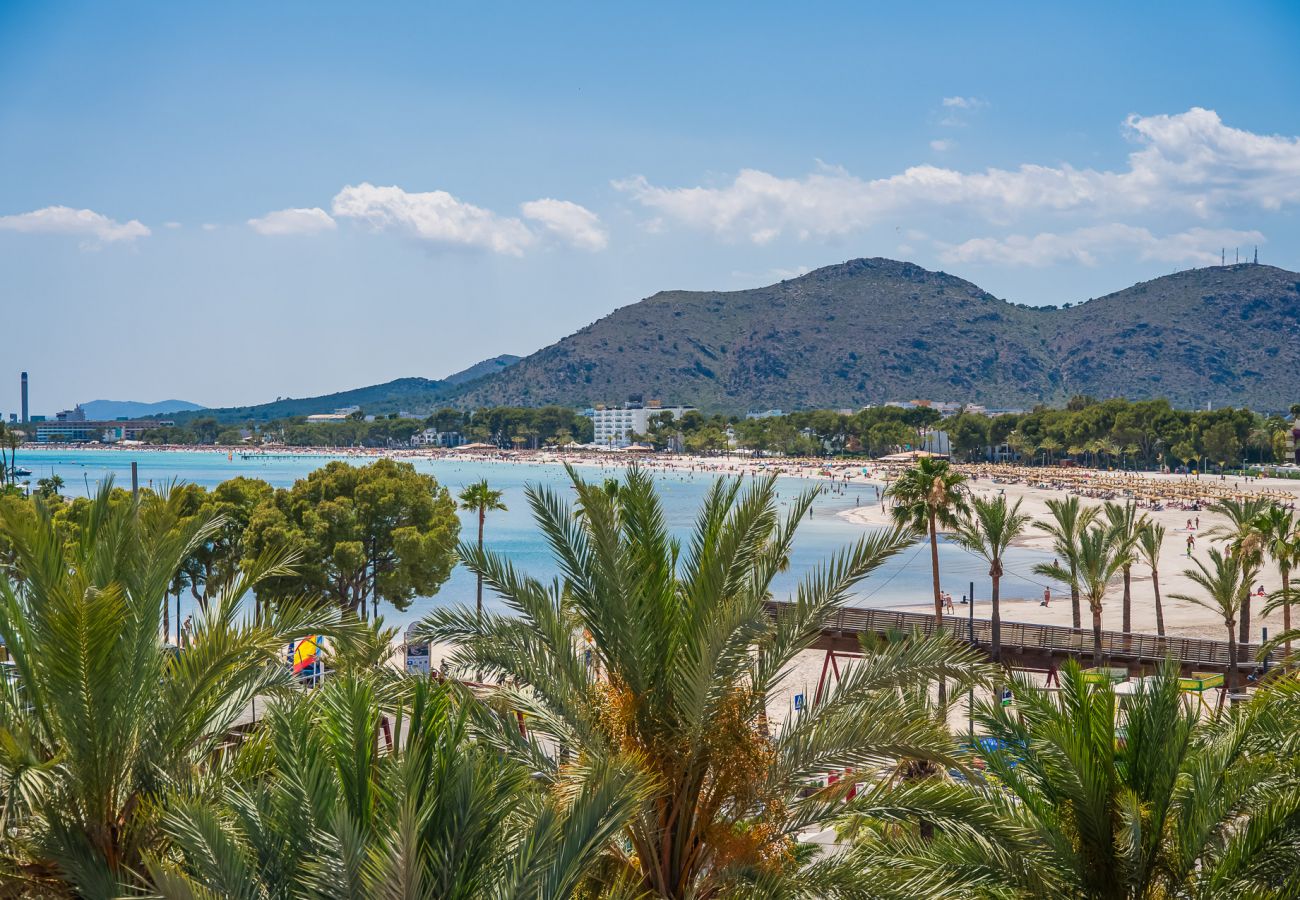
(1182, 617)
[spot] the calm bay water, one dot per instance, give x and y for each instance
(902, 580)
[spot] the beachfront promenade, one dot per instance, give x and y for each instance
(1041, 648)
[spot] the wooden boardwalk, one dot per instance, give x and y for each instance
(1036, 647)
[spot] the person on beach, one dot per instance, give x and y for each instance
(1047, 598)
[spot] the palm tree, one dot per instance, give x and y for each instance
(669, 653)
(926, 496)
(1245, 542)
(101, 719)
(988, 530)
(13, 439)
(1281, 537)
(1150, 540)
(1222, 584)
(1109, 448)
(1069, 520)
(1095, 560)
(1050, 446)
(1126, 525)
(480, 499)
(1144, 800)
(330, 808)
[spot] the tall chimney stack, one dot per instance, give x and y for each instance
(24, 398)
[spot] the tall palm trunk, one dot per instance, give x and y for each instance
(478, 600)
(1160, 610)
(1231, 680)
(934, 573)
(1075, 610)
(1128, 599)
(1286, 605)
(1096, 633)
(478, 596)
(1245, 615)
(997, 614)
(938, 600)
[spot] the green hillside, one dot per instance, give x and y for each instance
(417, 395)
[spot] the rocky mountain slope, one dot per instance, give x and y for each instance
(871, 330)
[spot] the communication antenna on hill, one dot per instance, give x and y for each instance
(1257, 254)
(1222, 252)
(1237, 251)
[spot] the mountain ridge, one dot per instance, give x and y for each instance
(409, 394)
(108, 410)
(872, 330)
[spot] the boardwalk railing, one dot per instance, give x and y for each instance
(1023, 639)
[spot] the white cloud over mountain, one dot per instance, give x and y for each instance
(92, 227)
(1189, 164)
(571, 223)
(436, 217)
(1087, 246)
(293, 221)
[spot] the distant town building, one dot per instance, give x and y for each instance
(614, 426)
(936, 441)
(85, 432)
(342, 414)
(432, 437)
(76, 414)
(943, 407)
(1293, 442)
(764, 414)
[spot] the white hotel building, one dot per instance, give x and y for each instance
(613, 425)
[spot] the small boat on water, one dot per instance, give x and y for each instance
(18, 472)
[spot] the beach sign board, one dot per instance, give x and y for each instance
(417, 658)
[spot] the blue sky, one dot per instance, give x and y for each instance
(232, 202)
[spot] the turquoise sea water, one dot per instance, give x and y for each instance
(902, 580)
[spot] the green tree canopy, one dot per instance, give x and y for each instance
(364, 533)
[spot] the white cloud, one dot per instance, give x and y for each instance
(293, 221)
(777, 273)
(208, 226)
(435, 217)
(957, 111)
(94, 227)
(1086, 246)
(171, 224)
(942, 144)
(1187, 163)
(568, 221)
